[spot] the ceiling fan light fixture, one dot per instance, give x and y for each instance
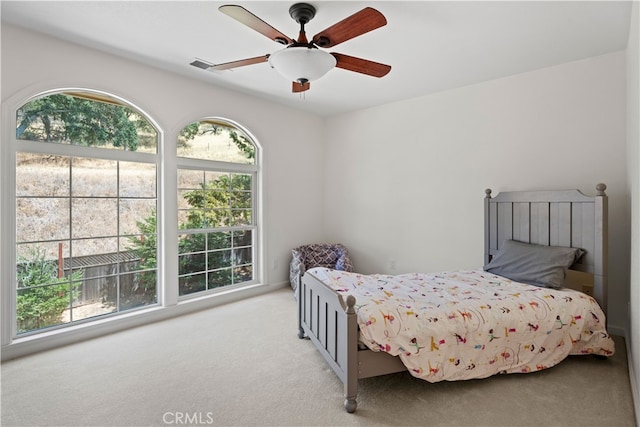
(301, 63)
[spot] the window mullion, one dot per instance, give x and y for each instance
(168, 223)
(70, 236)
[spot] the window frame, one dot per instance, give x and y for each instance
(8, 170)
(189, 163)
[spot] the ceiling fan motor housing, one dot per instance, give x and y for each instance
(302, 12)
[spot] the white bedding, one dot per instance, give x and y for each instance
(471, 324)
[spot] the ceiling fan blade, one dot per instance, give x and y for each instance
(240, 63)
(363, 66)
(228, 65)
(247, 18)
(366, 20)
(299, 87)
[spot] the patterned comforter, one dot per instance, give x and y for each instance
(471, 324)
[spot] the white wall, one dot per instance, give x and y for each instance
(405, 181)
(633, 182)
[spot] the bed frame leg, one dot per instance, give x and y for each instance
(299, 299)
(351, 346)
(350, 404)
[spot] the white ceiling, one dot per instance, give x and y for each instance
(432, 46)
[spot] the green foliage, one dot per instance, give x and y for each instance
(243, 144)
(78, 121)
(188, 133)
(146, 247)
(222, 202)
(42, 296)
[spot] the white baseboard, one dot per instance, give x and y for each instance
(632, 378)
(617, 331)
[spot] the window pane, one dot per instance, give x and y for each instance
(31, 167)
(241, 182)
(131, 261)
(87, 119)
(137, 180)
(220, 240)
(94, 178)
(241, 217)
(241, 199)
(190, 179)
(191, 263)
(242, 238)
(190, 284)
(92, 248)
(219, 278)
(132, 212)
(94, 217)
(96, 287)
(42, 219)
(242, 256)
(185, 195)
(192, 243)
(133, 292)
(40, 306)
(37, 268)
(243, 274)
(85, 308)
(219, 259)
(210, 140)
(218, 217)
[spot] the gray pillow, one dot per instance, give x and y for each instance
(537, 265)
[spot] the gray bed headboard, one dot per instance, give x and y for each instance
(552, 218)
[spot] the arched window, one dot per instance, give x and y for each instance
(217, 228)
(86, 186)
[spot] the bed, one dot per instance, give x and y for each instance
(513, 315)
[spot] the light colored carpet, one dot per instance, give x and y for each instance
(243, 364)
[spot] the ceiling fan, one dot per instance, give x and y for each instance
(302, 60)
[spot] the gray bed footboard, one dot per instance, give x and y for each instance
(330, 322)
